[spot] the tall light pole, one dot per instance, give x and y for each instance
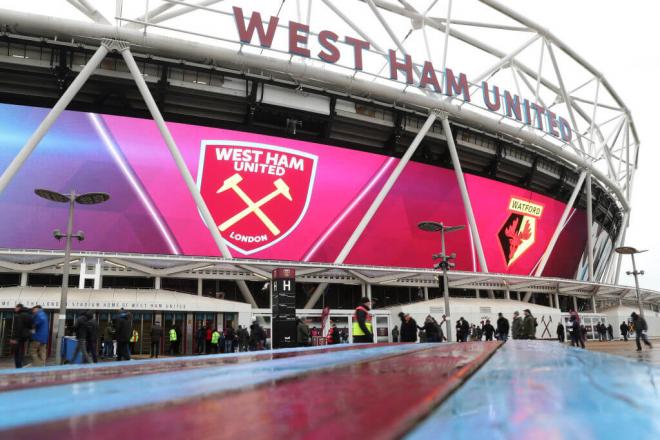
(445, 262)
(71, 198)
(627, 250)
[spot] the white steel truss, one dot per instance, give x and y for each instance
(179, 266)
(605, 144)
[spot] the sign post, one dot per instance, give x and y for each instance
(284, 308)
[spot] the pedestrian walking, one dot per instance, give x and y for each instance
(465, 329)
(529, 325)
(123, 335)
(610, 332)
(502, 331)
(135, 338)
(517, 326)
(408, 328)
(243, 338)
(257, 336)
(200, 337)
(395, 334)
(92, 336)
(488, 330)
(561, 335)
(576, 332)
(624, 330)
(333, 335)
(156, 337)
(362, 327)
(208, 334)
(640, 331)
(174, 341)
(431, 329)
(230, 339)
(39, 338)
(215, 340)
(21, 334)
(80, 328)
(108, 337)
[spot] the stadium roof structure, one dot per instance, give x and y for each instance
(475, 62)
(482, 38)
(177, 266)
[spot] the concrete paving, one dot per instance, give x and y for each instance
(628, 349)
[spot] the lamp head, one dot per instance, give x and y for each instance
(58, 234)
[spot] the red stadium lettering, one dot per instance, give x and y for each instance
(255, 23)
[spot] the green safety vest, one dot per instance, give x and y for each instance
(172, 335)
(215, 337)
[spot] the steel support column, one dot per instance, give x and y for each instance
(52, 116)
(384, 191)
(466, 197)
(560, 225)
(180, 163)
(590, 244)
(614, 277)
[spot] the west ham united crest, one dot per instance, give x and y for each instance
(257, 193)
(518, 232)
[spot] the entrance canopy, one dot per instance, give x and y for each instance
(115, 299)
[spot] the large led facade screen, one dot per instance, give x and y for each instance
(271, 198)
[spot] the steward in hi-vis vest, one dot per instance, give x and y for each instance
(215, 337)
(172, 335)
(362, 328)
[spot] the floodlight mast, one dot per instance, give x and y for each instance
(628, 250)
(445, 263)
(72, 198)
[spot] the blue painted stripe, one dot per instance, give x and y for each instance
(57, 368)
(540, 389)
(46, 404)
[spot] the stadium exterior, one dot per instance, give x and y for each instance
(531, 118)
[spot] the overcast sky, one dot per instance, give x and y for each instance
(620, 39)
(617, 38)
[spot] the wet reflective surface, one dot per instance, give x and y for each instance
(543, 390)
(629, 349)
(374, 392)
(33, 377)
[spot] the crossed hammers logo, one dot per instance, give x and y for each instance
(281, 188)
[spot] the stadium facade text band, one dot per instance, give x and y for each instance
(510, 105)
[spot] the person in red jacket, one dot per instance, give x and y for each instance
(333, 335)
(209, 336)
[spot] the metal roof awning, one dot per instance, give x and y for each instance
(115, 299)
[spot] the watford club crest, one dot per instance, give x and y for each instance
(257, 193)
(518, 233)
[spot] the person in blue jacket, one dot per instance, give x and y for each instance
(39, 342)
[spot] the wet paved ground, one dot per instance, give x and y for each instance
(521, 390)
(629, 349)
(360, 392)
(542, 390)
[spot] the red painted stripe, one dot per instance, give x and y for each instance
(123, 369)
(383, 398)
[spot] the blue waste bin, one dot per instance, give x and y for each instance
(69, 345)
